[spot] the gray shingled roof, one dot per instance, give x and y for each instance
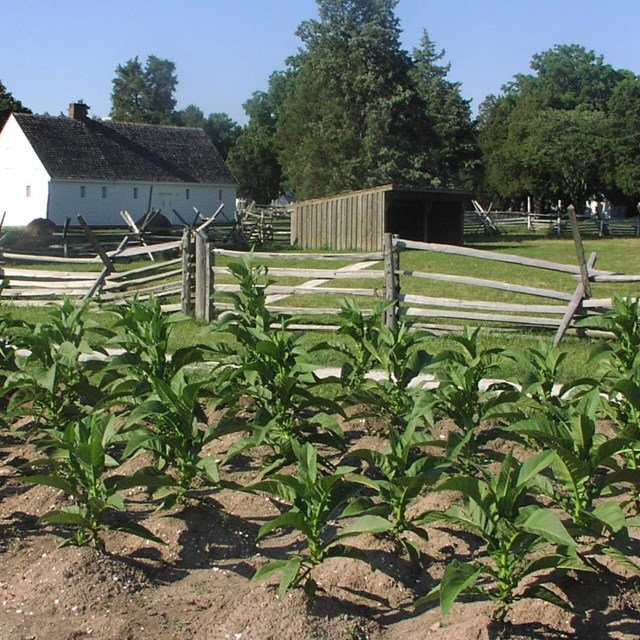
(103, 150)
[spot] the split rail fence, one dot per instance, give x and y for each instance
(490, 223)
(191, 275)
(537, 308)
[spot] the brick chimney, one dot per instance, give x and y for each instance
(78, 111)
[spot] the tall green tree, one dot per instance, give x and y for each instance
(254, 159)
(548, 133)
(9, 105)
(450, 115)
(221, 129)
(624, 119)
(191, 116)
(568, 152)
(144, 94)
(353, 118)
(567, 77)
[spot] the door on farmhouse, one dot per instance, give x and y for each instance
(165, 204)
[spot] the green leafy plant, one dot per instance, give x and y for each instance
(360, 333)
(623, 321)
(585, 466)
(8, 354)
(167, 424)
(463, 396)
(401, 472)
(143, 332)
(270, 366)
(77, 461)
(522, 538)
(541, 390)
(56, 382)
(400, 353)
(316, 502)
(622, 406)
(288, 407)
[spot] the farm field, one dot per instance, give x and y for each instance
(370, 506)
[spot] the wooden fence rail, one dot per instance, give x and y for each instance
(109, 284)
(492, 222)
(561, 316)
(186, 275)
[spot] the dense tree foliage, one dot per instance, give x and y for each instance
(624, 113)
(255, 157)
(144, 94)
(9, 105)
(354, 110)
(222, 129)
(449, 114)
(565, 132)
(353, 117)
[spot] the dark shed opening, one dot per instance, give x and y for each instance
(359, 219)
(426, 216)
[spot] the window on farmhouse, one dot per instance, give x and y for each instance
(83, 191)
(220, 194)
(187, 194)
(104, 192)
(28, 191)
(135, 193)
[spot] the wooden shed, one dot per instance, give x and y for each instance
(359, 219)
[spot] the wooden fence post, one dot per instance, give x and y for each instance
(391, 280)
(204, 278)
(582, 263)
(65, 243)
(110, 267)
(187, 271)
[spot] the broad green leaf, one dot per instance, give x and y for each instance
(290, 572)
(542, 593)
(308, 465)
(469, 487)
(554, 561)
(70, 515)
(267, 570)
(458, 577)
(210, 468)
(51, 481)
(365, 524)
(611, 514)
(47, 378)
(289, 519)
(622, 558)
(145, 477)
(548, 525)
(136, 529)
(534, 465)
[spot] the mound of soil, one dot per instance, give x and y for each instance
(159, 221)
(38, 234)
(40, 227)
(198, 585)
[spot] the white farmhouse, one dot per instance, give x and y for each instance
(59, 167)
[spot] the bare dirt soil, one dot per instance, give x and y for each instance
(198, 586)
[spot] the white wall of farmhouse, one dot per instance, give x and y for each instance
(24, 182)
(27, 191)
(100, 203)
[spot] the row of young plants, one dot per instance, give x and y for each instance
(542, 488)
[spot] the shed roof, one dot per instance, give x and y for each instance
(90, 149)
(434, 193)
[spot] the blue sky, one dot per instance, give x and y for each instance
(55, 52)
